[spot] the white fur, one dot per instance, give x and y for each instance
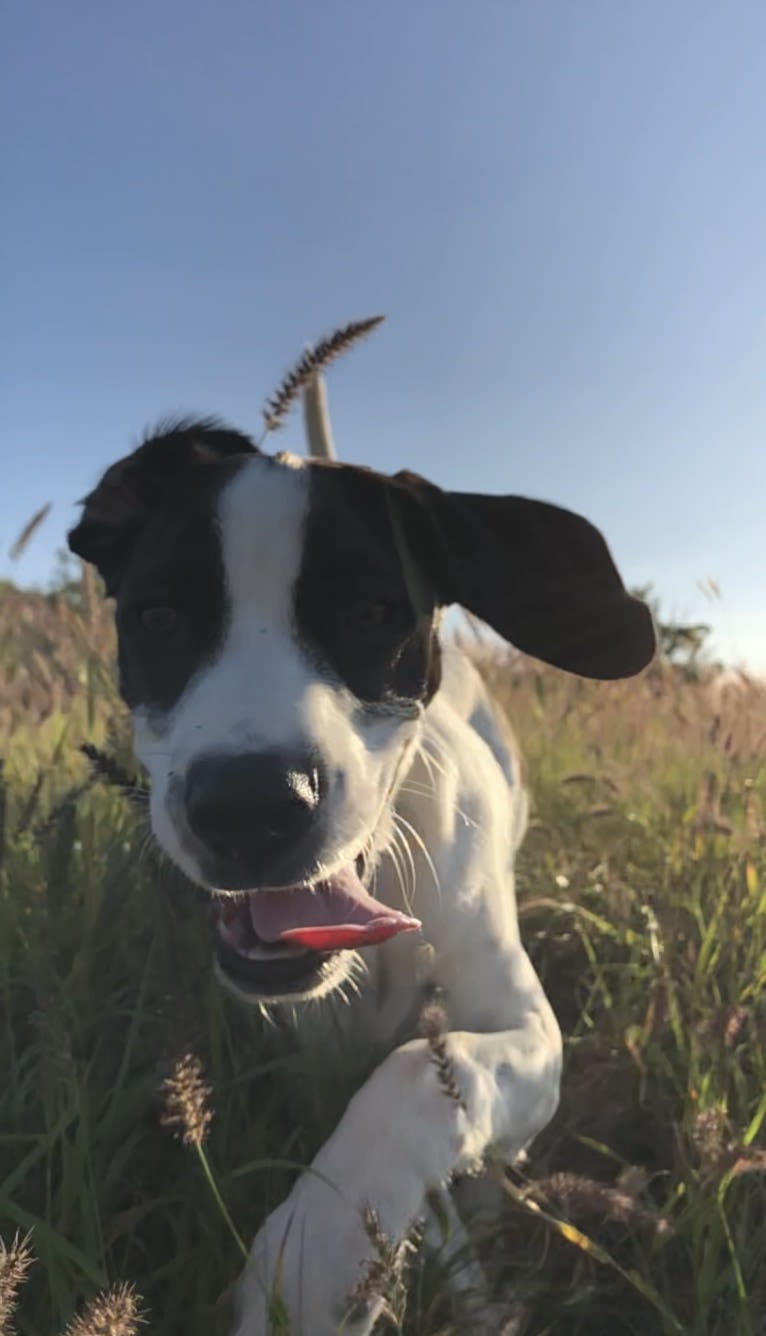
(401, 1135)
(446, 847)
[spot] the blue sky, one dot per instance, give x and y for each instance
(560, 205)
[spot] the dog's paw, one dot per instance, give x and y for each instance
(318, 1266)
(322, 1261)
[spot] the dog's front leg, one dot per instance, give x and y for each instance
(428, 1112)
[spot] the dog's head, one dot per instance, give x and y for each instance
(278, 643)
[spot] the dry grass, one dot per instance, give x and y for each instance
(643, 895)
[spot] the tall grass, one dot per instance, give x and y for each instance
(642, 882)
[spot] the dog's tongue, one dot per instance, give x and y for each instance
(333, 915)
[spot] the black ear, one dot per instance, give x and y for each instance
(115, 512)
(540, 576)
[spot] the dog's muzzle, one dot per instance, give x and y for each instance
(256, 821)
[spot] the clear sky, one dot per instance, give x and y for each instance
(560, 205)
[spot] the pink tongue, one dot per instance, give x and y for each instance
(333, 915)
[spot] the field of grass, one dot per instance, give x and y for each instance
(643, 897)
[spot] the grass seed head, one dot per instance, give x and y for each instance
(384, 1276)
(710, 1136)
(434, 1027)
(15, 1261)
(581, 1197)
(117, 1312)
(313, 361)
(187, 1101)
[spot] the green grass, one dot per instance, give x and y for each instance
(643, 891)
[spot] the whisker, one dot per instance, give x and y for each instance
(427, 748)
(431, 765)
(422, 791)
(400, 874)
(419, 790)
(407, 894)
(396, 858)
(423, 849)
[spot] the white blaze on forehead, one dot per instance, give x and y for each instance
(261, 515)
(253, 695)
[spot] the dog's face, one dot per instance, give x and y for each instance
(278, 646)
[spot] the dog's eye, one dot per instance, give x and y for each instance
(368, 614)
(160, 620)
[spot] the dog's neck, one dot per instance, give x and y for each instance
(448, 805)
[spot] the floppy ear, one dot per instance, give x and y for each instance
(115, 512)
(540, 576)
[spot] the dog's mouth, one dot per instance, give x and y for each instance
(274, 943)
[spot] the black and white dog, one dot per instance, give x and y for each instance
(278, 624)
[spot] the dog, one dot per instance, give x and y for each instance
(305, 725)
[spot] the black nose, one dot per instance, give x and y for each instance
(254, 815)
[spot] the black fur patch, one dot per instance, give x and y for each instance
(150, 527)
(177, 563)
(351, 561)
